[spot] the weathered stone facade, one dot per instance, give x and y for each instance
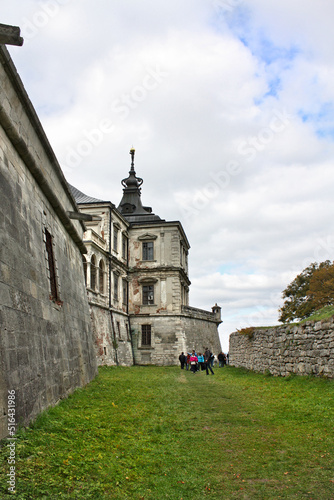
(307, 349)
(106, 274)
(46, 343)
(149, 256)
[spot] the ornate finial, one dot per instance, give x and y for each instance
(132, 181)
(132, 153)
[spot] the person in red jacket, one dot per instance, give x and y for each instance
(193, 362)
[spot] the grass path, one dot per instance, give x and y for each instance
(162, 433)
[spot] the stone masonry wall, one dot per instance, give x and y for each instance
(112, 337)
(200, 330)
(304, 350)
(46, 346)
(172, 334)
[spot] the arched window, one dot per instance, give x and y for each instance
(93, 272)
(84, 268)
(101, 276)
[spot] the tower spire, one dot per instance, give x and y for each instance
(132, 153)
(131, 205)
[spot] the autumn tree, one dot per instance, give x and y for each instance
(302, 300)
(321, 289)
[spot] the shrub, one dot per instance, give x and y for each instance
(247, 331)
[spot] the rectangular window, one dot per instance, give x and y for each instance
(124, 247)
(148, 294)
(146, 335)
(115, 287)
(148, 250)
(119, 329)
(115, 238)
(54, 295)
(125, 292)
(127, 331)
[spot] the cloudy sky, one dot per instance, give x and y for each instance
(230, 106)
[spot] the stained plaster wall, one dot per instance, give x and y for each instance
(112, 344)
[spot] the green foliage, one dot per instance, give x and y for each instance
(158, 433)
(247, 331)
(301, 296)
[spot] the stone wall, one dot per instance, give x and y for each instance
(165, 334)
(172, 334)
(112, 337)
(304, 350)
(46, 343)
(201, 330)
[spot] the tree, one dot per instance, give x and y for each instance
(300, 304)
(321, 289)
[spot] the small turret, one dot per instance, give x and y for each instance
(216, 310)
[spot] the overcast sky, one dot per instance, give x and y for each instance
(229, 105)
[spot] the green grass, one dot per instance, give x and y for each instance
(323, 313)
(162, 433)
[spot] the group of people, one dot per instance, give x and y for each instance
(196, 362)
(222, 359)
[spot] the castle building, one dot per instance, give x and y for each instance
(106, 274)
(138, 284)
(102, 285)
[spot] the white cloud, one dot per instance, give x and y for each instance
(228, 103)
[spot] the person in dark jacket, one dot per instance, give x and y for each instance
(183, 360)
(207, 358)
(188, 362)
(221, 359)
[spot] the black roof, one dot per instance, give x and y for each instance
(84, 198)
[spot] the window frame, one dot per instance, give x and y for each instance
(116, 282)
(93, 273)
(146, 290)
(146, 335)
(124, 247)
(84, 263)
(148, 252)
(125, 292)
(101, 276)
(51, 260)
(115, 238)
